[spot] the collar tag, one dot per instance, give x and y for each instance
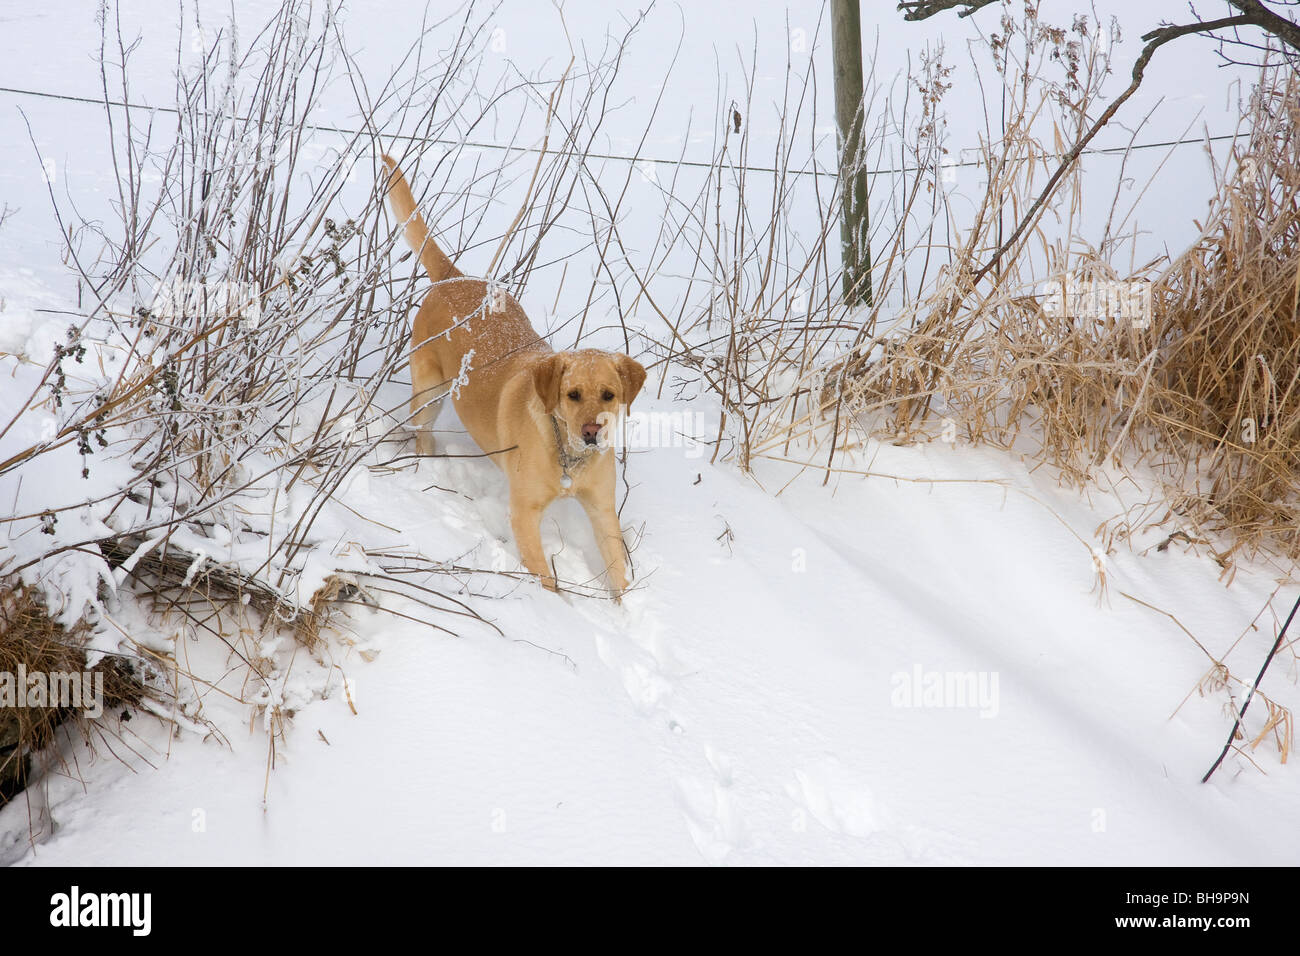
(567, 458)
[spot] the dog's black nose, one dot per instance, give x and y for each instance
(590, 439)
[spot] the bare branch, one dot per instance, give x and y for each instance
(1156, 39)
(924, 9)
(1286, 30)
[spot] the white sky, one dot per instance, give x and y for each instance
(51, 47)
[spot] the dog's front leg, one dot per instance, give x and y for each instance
(526, 520)
(609, 536)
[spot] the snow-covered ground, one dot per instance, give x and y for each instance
(937, 662)
(761, 697)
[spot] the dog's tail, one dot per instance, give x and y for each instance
(403, 205)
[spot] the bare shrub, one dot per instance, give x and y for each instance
(1186, 367)
(246, 298)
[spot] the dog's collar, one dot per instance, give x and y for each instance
(568, 459)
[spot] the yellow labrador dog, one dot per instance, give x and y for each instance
(548, 416)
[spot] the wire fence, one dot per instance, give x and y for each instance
(618, 157)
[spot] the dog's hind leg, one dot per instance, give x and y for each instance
(428, 389)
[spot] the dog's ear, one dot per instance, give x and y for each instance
(546, 379)
(633, 375)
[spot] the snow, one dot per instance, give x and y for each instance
(742, 705)
(735, 709)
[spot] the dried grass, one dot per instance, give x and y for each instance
(1203, 386)
(1186, 369)
(33, 642)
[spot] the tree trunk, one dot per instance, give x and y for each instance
(855, 246)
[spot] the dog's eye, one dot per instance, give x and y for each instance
(575, 395)
(607, 395)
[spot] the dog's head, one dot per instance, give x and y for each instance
(587, 389)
